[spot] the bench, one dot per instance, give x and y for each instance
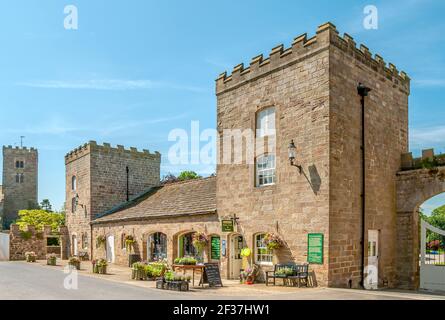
(278, 272)
(302, 274)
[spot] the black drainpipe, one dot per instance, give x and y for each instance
(128, 186)
(363, 91)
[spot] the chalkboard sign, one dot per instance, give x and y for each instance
(215, 248)
(211, 275)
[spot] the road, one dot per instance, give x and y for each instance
(20, 280)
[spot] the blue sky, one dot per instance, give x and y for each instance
(134, 70)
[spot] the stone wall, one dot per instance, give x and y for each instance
(414, 187)
(100, 172)
(386, 138)
(29, 240)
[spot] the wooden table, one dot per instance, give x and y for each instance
(185, 267)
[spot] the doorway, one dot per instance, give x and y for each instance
(237, 243)
(110, 249)
(372, 269)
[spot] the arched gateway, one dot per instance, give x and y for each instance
(414, 186)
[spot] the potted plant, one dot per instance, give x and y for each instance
(100, 241)
(248, 275)
(51, 259)
(130, 242)
(138, 271)
(100, 266)
(188, 261)
(74, 262)
(155, 270)
(30, 256)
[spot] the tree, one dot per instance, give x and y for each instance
(188, 175)
(39, 219)
(46, 205)
(437, 219)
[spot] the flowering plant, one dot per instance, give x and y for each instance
(100, 241)
(199, 240)
(273, 241)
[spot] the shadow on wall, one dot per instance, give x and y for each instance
(313, 179)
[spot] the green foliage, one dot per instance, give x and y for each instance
(188, 175)
(46, 205)
(100, 241)
(39, 219)
(25, 235)
(186, 261)
(172, 276)
(155, 270)
(429, 163)
(437, 219)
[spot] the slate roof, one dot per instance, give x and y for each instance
(184, 198)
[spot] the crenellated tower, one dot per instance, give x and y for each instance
(20, 182)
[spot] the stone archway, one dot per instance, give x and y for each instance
(414, 187)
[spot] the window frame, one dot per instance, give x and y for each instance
(267, 169)
(257, 255)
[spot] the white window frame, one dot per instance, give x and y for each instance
(269, 116)
(73, 183)
(268, 254)
(270, 171)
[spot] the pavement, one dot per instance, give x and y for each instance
(24, 281)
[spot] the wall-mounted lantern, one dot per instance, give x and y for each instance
(292, 152)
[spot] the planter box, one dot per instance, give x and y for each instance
(31, 259)
(100, 270)
(160, 284)
(75, 265)
(138, 274)
(132, 258)
(172, 285)
(51, 261)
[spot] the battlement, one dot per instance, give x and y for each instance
(19, 149)
(92, 146)
(427, 160)
(302, 48)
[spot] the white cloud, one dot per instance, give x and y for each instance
(107, 84)
(422, 137)
(429, 82)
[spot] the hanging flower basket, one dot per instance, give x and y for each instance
(200, 241)
(273, 241)
(129, 243)
(100, 241)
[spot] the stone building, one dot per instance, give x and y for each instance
(99, 177)
(20, 182)
(306, 94)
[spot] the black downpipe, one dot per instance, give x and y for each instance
(363, 92)
(128, 184)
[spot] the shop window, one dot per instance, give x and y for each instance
(186, 247)
(262, 254)
(265, 170)
(157, 246)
